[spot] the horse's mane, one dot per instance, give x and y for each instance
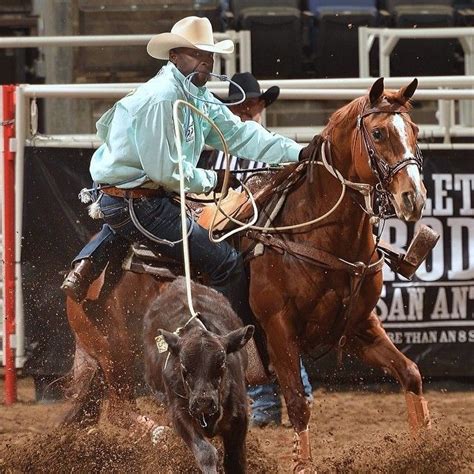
(271, 184)
(345, 114)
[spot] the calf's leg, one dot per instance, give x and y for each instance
(235, 454)
(204, 452)
(370, 342)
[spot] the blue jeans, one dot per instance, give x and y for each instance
(162, 217)
(100, 248)
(266, 406)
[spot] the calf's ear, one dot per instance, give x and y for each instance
(237, 339)
(172, 340)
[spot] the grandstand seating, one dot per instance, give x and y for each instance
(335, 36)
(120, 17)
(430, 56)
(464, 12)
(290, 38)
(276, 35)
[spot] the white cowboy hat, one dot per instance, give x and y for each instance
(190, 32)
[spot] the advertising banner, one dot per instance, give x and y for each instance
(430, 318)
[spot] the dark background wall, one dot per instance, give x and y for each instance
(431, 320)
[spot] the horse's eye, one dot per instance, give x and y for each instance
(377, 134)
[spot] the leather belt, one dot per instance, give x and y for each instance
(134, 193)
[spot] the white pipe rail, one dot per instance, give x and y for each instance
(301, 135)
(427, 82)
(92, 40)
(81, 91)
(388, 38)
(240, 38)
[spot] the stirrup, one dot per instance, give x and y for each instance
(77, 281)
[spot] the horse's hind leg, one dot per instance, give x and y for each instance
(370, 342)
(107, 343)
(86, 391)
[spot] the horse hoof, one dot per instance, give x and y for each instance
(304, 467)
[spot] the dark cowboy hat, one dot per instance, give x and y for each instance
(252, 89)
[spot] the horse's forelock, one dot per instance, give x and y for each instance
(395, 97)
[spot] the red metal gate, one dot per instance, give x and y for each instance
(7, 133)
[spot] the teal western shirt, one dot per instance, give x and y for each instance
(139, 146)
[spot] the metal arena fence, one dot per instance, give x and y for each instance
(19, 130)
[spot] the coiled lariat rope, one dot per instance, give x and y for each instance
(364, 189)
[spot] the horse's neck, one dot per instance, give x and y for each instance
(346, 232)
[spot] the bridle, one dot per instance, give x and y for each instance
(380, 168)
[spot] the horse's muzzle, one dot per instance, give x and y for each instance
(409, 205)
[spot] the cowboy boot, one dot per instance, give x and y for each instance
(77, 282)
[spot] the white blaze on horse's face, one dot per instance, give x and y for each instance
(408, 192)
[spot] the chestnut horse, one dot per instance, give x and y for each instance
(313, 286)
(319, 285)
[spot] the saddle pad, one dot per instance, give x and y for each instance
(231, 205)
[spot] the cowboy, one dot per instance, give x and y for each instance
(137, 165)
(250, 109)
(266, 400)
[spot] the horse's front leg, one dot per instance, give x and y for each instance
(370, 342)
(285, 357)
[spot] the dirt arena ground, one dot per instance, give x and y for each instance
(351, 432)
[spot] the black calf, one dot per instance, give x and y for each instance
(202, 372)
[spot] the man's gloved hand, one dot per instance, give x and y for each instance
(307, 152)
(233, 181)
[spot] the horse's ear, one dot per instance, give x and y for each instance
(237, 339)
(172, 340)
(408, 91)
(376, 91)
